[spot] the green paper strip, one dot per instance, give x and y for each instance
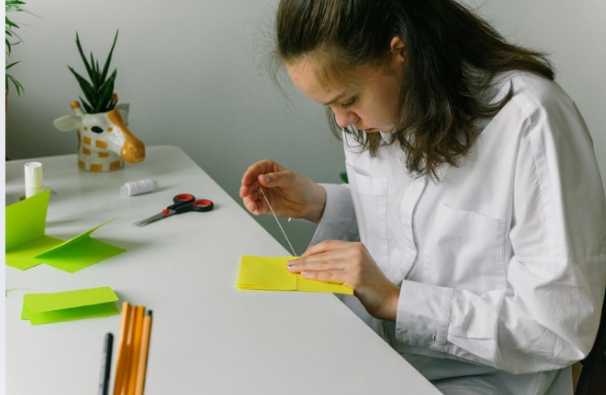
(77, 313)
(69, 305)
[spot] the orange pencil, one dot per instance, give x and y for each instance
(128, 354)
(136, 347)
(147, 321)
(124, 329)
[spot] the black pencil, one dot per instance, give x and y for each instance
(106, 364)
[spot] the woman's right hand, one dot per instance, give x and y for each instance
(289, 194)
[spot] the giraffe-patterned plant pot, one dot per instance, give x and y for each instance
(104, 141)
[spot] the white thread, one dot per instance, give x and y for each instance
(276, 218)
(138, 187)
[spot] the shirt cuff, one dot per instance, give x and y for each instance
(339, 219)
(423, 315)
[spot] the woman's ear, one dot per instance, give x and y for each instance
(398, 50)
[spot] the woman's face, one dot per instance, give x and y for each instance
(370, 102)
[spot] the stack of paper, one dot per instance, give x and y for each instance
(27, 245)
(270, 273)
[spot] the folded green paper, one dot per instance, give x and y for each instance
(270, 273)
(79, 252)
(28, 246)
(25, 226)
(69, 305)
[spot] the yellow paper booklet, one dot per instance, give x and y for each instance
(270, 273)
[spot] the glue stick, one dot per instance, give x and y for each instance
(34, 183)
(138, 187)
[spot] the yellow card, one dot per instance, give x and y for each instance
(270, 273)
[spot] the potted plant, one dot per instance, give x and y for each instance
(104, 140)
(100, 89)
(9, 26)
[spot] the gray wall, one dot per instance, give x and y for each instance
(194, 76)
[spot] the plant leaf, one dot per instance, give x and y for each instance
(109, 58)
(87, 108)
(86, 87)
(10, 23)
(17, 84)
(14, 5)
(88, 69)
(94, 75)
(100, 80)
(105, 93)
(11, 65)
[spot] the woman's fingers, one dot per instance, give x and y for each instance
(330, 261)
(350, 264)
(289, 194)
(252, 180)
(252, 174)
(325, 246)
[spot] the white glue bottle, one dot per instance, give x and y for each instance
(34, 182)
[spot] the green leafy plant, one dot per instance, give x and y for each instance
(99, 91)
(9, 26)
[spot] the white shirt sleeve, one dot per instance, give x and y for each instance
(339, 219)
(548, 315)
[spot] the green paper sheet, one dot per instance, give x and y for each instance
(28, 246)
(79, 252)
(69, 305)
(270, 273)
(25, 238)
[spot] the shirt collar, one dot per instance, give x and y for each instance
(387, 137)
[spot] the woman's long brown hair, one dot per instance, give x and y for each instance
(452, 57)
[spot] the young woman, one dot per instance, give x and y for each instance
(473, 191)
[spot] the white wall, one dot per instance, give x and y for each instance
(574, 34)
(192, 72)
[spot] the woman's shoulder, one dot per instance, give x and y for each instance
(533, 92)
(541, 108)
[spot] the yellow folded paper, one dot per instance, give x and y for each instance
(270, 273)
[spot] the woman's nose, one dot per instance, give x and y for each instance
(344, 118)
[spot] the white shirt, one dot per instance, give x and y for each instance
(502, 263)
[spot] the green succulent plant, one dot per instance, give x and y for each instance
(9, 26)
(99, 91)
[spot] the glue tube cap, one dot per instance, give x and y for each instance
(138, 187)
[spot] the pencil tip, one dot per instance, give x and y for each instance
(149, 312)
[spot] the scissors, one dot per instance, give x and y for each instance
(182, 203)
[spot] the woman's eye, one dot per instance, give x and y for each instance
(348, 104)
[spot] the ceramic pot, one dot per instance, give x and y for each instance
(104, 140)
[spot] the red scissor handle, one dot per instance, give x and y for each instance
(180, 200)
(199, 205)
(203, 205)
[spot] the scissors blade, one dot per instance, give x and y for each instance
(149, 220)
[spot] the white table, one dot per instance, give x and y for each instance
(208, 337)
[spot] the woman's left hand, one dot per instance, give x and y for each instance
(350, 264)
